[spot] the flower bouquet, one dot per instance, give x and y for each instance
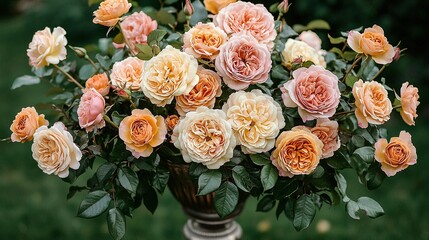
(242, 103)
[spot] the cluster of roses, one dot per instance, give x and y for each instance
(238, 46)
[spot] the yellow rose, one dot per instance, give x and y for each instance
(99, 82)
(214, 6)
(297, 152)
(47, 48)
(109, 12)
(25, 124)
(295, 49)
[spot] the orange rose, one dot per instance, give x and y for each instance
(25, 124)
(297, 152)
(214, 6)
(171, 121)
(99, 82)
(327, 131)
(409, 102)
(142, 131)
(109, 12)
(204, 40)
(396, 155)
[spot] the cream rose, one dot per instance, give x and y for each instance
(25, 124)
(295, 49)
(109, 12)
(203, 94)
(314, 91)
(99, 82)
(396, 155)
(204, 40)
(372, 103)
(206, 137)
(54, 150)
(409, 103)
(327, 131)
(47, 48)
(127, 74)
(214, 6)
(372, 42)
(171, 73)
(243, 61)
(142, 131)
(297, 152)
(91, 109)
(256, 120)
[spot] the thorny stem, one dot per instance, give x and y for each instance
(71, 79)
(351, 67)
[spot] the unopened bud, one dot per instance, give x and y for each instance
(80, 52)
(397, 54)
(284, 6)
(189, 9)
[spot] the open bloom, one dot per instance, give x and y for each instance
(99, 82)
(327, 131)
(204, 40)
(127, 74)
(396, 155)
(171, 121)
(25, 124)
(311, 38)
(372, 42)
(299, 50)
(409, 102)
(54, 150)
(214, 6)
(91, 109)
(205, 136)
(142, 131)
(47, 48)
(109, 12)
(256, 120)
(314, 91)
(372, 103)
(297, 152)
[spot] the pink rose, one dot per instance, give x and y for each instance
(314, 91)
(311, 39)
(409, 102)
(90, 110)
(243, 61)
(327, 131)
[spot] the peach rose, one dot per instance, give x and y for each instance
(243, 61)
(47, 48)
(204, 40)
(372, 42)
(206, 137)
(314, 91)
(214, 6)
(295, 49)
(91, 109)
(297, 152)
(409, 102)
(372, 103)
(327, 131)
(396, 155)
(311, 38)
(25, 124)
(256, 120)
(99, 82)
(127, 74)
(109, 12)
(54, 150)
(248, 17)
(171, 121)
(142, 131)
(203, 94)
(171, 73)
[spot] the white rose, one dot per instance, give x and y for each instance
(295, 49)
(47, 48)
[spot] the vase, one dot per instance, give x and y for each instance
(203, 221)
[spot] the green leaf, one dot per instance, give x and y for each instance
(196, 169)
(358, 141)
(25, 80)
(285, 188)
(103, 60)
(86, 71)
(209, 181)
(304, 213)
(128, 179)
(119, 38)
(266, 203)
(336, 40)
(156, 36)
(105, 171)
(341, 183)
(226, 199)
(365, 153)
(145, 51)
(370, 206)
(242, 178)
(150, 199)
(352, 209)
(73, 190)
(278, 72)
(365, 134)
(318, 24)
(94, 204)
(289, 208)
(269, 176)
(200, 13)
(165, 18)
(92, 2)
(351, 80)
(260, 159)
(116, 223)
(169, 2)
(117, 118)
(160, 180)
(318, 172)
(118, 56)
(374, 176)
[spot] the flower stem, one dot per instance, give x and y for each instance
(92, 62)
(378, 73)
(71, 79)
(351, 67)
(107, 119)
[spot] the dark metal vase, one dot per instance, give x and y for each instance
(203, 223)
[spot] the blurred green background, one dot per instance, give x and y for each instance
(34, 206)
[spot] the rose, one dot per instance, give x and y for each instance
(171, 73)
(409, 103)
(295, 49)
(54, 150)
(99, 82)
(47, 48)
(142, 131)
(204, 40)
(206, 137)
(171, 121)
(203, 94)
(314, 91)
(327, 131)
(311, 38)
(91, 109)
(297, 152)
(127, 74)
(256, 120)
(135, 29)
(396, 155)
(250, 18)
(372, 42)
(25, 124)
(214, 6)
(372, 103)
(243, 61)
(109, 12)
